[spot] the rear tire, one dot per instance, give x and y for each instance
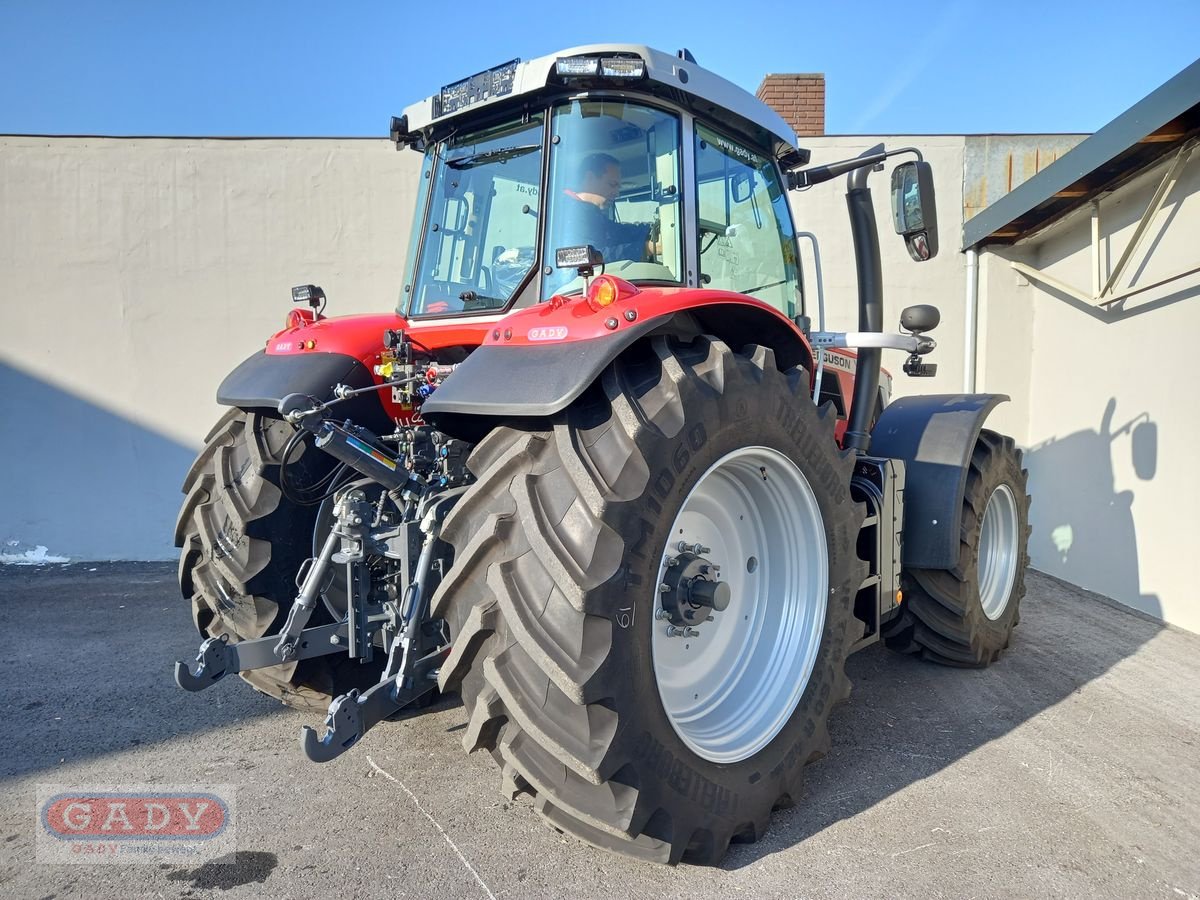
(965, 616)
(242, 544)
(559, 550)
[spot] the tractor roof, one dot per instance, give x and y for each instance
(676, 77)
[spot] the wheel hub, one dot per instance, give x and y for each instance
(999, 544)
(690, 592)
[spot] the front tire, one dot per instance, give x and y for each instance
(559, 553)
(965, 616)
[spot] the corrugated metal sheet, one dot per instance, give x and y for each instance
(995, 164)
(1143, 134)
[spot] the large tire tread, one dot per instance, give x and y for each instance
(241, 544)
(530, 645)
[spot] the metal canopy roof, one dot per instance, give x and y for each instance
(1144, 133)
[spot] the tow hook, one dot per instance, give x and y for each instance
(690, 592)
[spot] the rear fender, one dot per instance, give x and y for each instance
(935, 436)
(313, 358)
(539, 360)
(263, 379)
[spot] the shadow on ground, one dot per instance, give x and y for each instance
(908, 720)
(88, 668)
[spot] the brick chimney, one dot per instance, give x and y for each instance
(799, 98)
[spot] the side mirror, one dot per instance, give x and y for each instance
(741, 186)
(914, 209)
(919, 319)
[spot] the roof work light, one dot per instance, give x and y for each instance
(594, 66)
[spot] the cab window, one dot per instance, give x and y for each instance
(747, 243)
(614, 184)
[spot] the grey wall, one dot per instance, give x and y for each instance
(136, 274)
(1114, 511)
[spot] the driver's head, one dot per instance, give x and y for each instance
(600, 174)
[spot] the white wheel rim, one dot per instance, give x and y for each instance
(729, 690)
(997, 567)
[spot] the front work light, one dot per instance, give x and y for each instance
(308, 293)
(582, 257)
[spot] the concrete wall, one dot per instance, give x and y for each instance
(1116, 507)
(136, 274)
(139, 271)
(940, 281)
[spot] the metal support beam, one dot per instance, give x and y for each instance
(1104, 292)
(1156, 203)
(1038, 275)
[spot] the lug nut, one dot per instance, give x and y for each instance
(698, 549)
(672, 631)
(664, 588)
(662, 614)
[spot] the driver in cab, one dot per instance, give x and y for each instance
(589, 216)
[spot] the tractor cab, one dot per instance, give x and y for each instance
(669, 172)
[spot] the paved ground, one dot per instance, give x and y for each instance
(1071, 768)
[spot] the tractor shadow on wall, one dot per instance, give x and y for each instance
(908, 720)
(1083, 529)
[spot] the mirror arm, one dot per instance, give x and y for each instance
(805, 178)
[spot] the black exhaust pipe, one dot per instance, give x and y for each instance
(869, 270)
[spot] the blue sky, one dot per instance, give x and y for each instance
(258, 68)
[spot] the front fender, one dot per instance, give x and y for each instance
(935, 435)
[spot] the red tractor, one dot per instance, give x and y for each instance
(599, 473)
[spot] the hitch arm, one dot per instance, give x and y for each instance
(405, 678)
(218, 658)
(352, 715)
(286, 647)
